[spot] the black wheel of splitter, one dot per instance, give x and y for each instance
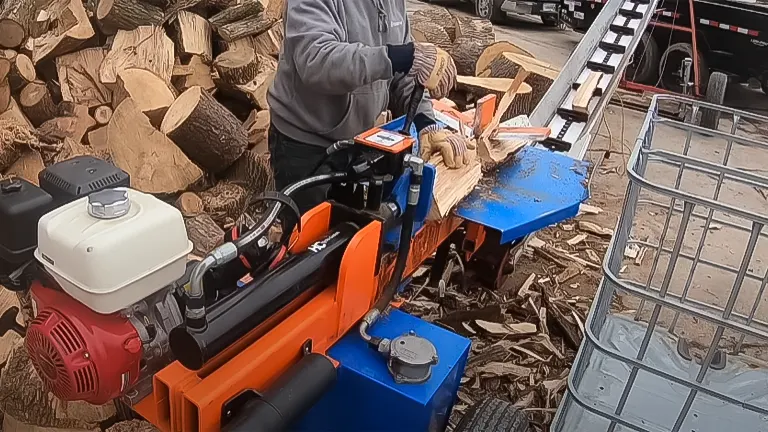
(718, 84)
(493, 415)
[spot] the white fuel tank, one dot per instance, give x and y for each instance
(113, 248)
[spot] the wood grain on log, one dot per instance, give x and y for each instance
(437, 15)
(478, 29)
(540, 78)
(5, 67)
(427, 31)
(237, 67)
(5, 95)
(250, 26)
(195, 73)
(147, 47)
(194, 35)
(155, 163)
(204, 234)
(480, 87)
(22, 73)
(58, 41)
(257, 127)
(151, 94)
(36, 102)
(102, 114)
(114, 15)
(494, 50)
(78, 74)
(258, 87)
(246, 9)
(452, 185)
(189, 204)
(465, 52)
(72, 121)
(207, 132)
(253, 170)
(27, 166)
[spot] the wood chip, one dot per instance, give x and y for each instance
(506, 329)
(504, 369)
(573, 241)
(595, 229)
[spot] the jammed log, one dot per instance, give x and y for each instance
(437, 15)
(207, 132)
(147, 47)
(225, 202)
(79, 77)
(480, 30)
(102, 114)
(250, 26)
(114, 15)
(257, 127)
(22, 73)
(465, 52)
(493, 152)
(494, 50)
(237, 67)
(193, 35)
(27, 402)
(59, 41)
(189, 204)
(540, 78)
(204, 234)
(480, 87)
(246, 9)
(5, 95)
(36, 102)
(427, 31)
(253, 170)
(258, 87)
(193, 74)
(151, 94)
(155, 163)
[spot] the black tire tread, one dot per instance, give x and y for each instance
(647, 73)
(716, 88)
(493, 415)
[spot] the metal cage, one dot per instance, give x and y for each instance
(677, 336)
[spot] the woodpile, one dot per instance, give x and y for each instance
(174, 93)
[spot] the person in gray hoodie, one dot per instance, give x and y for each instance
(343, 62)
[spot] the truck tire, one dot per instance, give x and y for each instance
(645, 61)
(718, 84)
(493, 415)
(490, 10)
(549, 20)
(670, 62)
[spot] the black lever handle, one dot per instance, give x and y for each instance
(413, 106)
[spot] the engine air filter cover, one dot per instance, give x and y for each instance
(80, 176)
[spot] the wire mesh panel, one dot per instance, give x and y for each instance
(677, 337)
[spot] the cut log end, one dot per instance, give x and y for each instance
(102, 114)
(237, 67)
(181, 109)
(37, 103)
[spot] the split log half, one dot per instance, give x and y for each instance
(155, 163)
(540, 78)
(207, 132)
(465, 52)
(22, 73)
(5, 67)
(494, 50)
(72, 121)
(478, 29)
(193, 35)
(204, 234)
(63, 38)
(436, 15)
(36, 102)
(268, 43)
(427, 31)
(195, 73)
(147, 47)
(151, 94)
(246, 9)
(250, 26)
(452, 185)
(258, 87)
(479, 87)
(257, 127)
(237, 67)
(98, 141)
(79, 77)
(225, 202)
(114, 15)
(27, 166)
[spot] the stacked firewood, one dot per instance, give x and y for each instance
(173, 92)
(485, 66)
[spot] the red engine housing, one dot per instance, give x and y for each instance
(78, 353)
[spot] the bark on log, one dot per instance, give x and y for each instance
(437, 15)
(22, 73)
(15, 19)
(147, 47)
(193, 74)
(73, 121)
(133, 426)
(207, 132)
(24, 398)
(102, 114)
(248, 8)
(189, 204)
(252, 169)
(36, 102)
(204, 234)
(5, 67)
(225, 202)
(155, 163)
(250, 26)
(427, 31)
(480, 30)
(465, 52)
(258, 87)
(114, 15)
(494, 50)
(267, 43)
(5, 95)
(193, 35)
(78, 74)
(237, 67)
(63, 38)
(151, 94)
(540, 78)
(257, 127)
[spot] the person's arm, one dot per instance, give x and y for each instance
(314, 31)
(401, 91)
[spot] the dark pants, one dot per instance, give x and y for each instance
(293, 161)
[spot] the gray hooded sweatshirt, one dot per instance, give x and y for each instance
(334, 77)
